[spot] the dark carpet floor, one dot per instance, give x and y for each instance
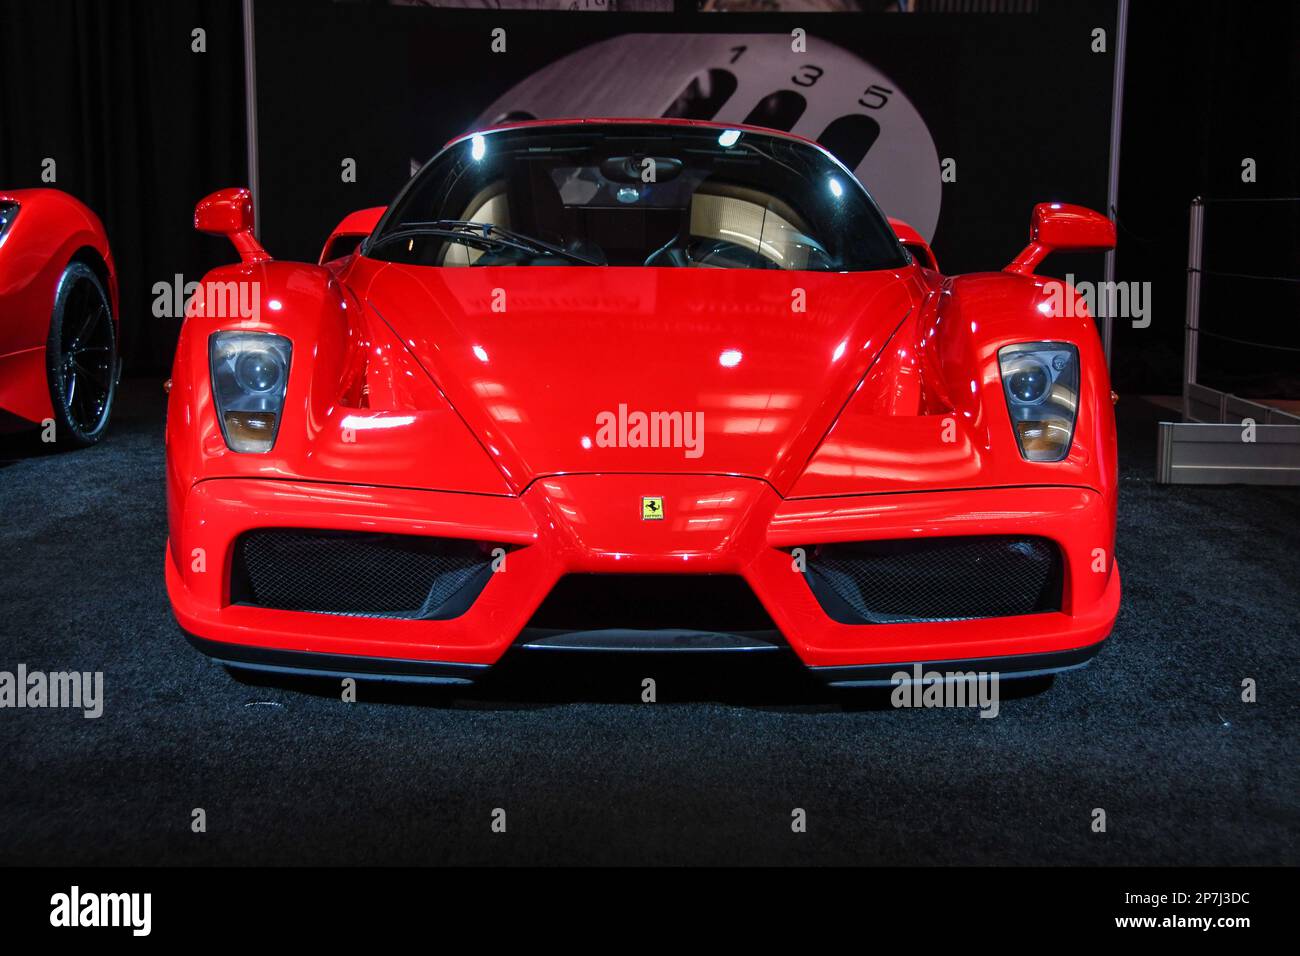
(1154, 731)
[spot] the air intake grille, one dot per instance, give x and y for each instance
(361, 574)
(714, 602)
(935, 579)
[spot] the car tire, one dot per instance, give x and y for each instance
(81, 359)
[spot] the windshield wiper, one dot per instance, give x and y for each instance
(481, 234)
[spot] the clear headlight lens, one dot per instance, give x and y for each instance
(1041, 384)
(249, 373)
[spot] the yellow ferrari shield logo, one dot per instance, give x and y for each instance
(652, 509)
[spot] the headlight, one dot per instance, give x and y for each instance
(8, 211)
(1041, 384)
(249, 373)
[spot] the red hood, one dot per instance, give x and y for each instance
(548, 366)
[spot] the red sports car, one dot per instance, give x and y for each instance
(58, 317)
(638, 385)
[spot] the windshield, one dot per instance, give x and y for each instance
(629, 194)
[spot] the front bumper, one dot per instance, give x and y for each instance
(593, 524)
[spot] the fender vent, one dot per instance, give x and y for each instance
(358, 573)
(935, 579)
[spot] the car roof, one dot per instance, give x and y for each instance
(631, 120)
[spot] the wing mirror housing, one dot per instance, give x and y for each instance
(914, 243)
(1061, 227)
(229, 213)
(347, 235)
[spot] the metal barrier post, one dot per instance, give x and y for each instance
(1112, 175)
(1191, 334)
(250, 116)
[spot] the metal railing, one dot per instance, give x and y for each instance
(1224, 438)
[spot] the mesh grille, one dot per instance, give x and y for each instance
(937, 579)
(367, 575)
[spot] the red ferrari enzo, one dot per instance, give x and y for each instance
(58, 317)
(639, 385)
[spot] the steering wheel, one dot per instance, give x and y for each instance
(723, 254)
(716, 253)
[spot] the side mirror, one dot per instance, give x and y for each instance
(347, 235)
(1060, 227)
(914, 243)
(229, 213)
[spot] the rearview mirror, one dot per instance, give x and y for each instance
(229, 213)
(1061, 227)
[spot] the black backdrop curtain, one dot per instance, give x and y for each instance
(1210, 83)
(140, 128)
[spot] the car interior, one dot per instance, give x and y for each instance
(715, 225)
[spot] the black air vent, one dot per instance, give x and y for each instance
(652, 612)
(935, 579)
(361, 574)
